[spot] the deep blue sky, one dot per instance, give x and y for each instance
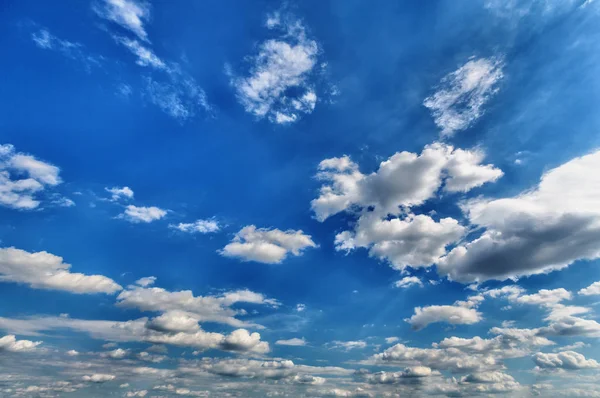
(158, 97)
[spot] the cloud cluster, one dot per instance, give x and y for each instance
(11, 344)
(142, 214)
(23, 178)
(460, 98)
(198, 227)
(278, 85)
(403, 181)
(43, 270)
(269, 246)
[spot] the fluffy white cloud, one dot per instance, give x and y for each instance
(243, 341)
(44, 270)
(406, 179)
(541, 230)
(10, 343)
(20, 193)
(281, 65)
(397, 377)
(198, 226)
(569, 360)
(175, 321)
(270, 246)
(545, 297)
(118, 193)
(591, 290)
(118, 353)
(292, 342)
(462, 94)
(98, 377)
(146, 281)
(129, 14)
(460, 313)
(348, 345)
(408, 281)
(135, 214)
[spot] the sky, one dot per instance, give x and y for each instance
(300, 199)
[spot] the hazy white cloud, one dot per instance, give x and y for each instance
(10, 343)
(281, 65)
(72, 50)
(270, 246)
(141, 214)
(542, 229)
(460, 98)
(348, 345)
(292, 342)
(198, 226)
(118, 193)
(146, 281)
(452, 314)
(408, 281)
(129, 14)
(43, 270)
(99, 377)
(23, 178)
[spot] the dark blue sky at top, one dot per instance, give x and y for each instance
(228, 164)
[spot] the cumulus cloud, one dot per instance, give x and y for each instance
(461, 95)
(23, 178)
(569, 360)
(591, 290)
(404, 180)
(135, 214)
(98, 378)
(542, 229)
(198, 227)
(279, 85)
(270, 246)
(43, 270)
(118, 193)
(11, 344)
(408, 281)
(461, 313)
(297, 342)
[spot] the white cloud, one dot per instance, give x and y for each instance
(44, 270)
(135, 214)
(591, 290)
(462, 94)
(72, 353)
(404, 180)
(541, 230)
(348, 345)
(138, 393)
(146, 281)
(72, 50)
(98, 378)
(408, 281)
(292, 342)
(11, 344)
(569, 360)
(145, 56)
(120, 193)
(119, 353)
(390, 340)
(20, 193)
(198, 226)
(130, 14)
(281, 65)
(452, 314)
(270, 246)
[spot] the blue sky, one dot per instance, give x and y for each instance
(304, 199)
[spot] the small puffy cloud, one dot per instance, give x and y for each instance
(118, 353)
(279, 84)
(135, 214)
(198, 227)
(348, 345)
(460, 98)
(568, 360)
(390, 340)
(411, 372)
(300, 307)
(408, 281)
(405, 180)
(292, 342)
(545, 297)
(452, 314)
(243, 341)
(138, 393)
(541, 230)
(591, 290)
(98, 377)
(72, 353)
(175, 321)
(120, 193)
(43, 270)
(129, 14)
(146, 281)
(270, 246)
(11, 344)
(23, 178)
